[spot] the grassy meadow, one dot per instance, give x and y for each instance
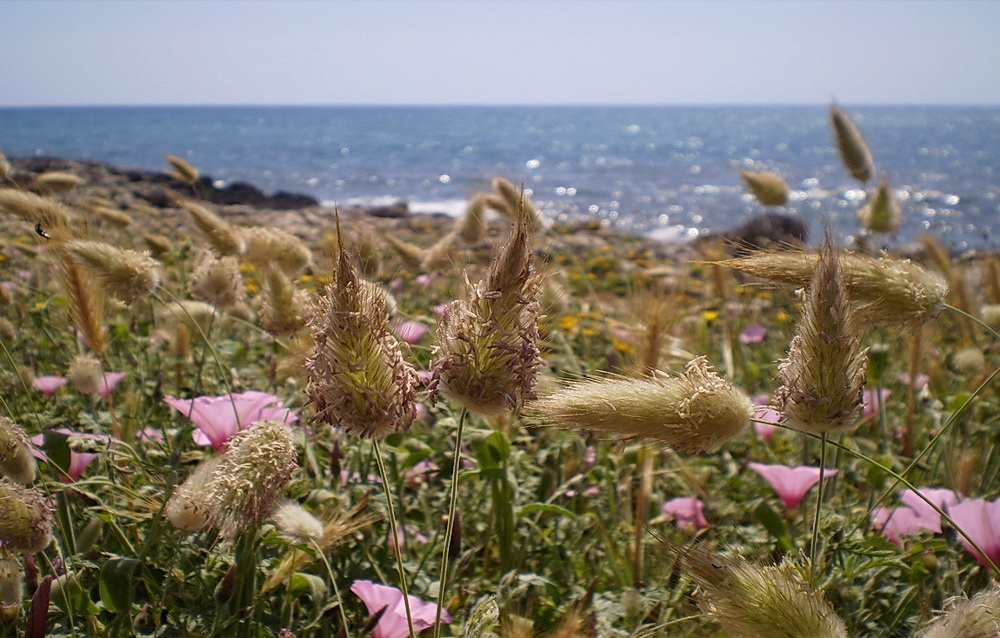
(216, 425)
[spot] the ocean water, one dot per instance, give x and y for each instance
(667, 171)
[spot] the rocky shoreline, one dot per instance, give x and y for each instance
(149, 202)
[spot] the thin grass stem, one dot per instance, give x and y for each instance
(393, 534)
(452, 505)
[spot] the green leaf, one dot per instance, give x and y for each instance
(307, 584)
(774, 524)
(116, 583)
(531, 508)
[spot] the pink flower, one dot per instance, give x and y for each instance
(111, 379)
(401, 534)
(981, 521)
(753, 333)
(875, 400)
(49, 384)
(410, 331)
(393, 622)
(422, 472)
(78, 461)
(687, 511)
(440, 308)
(791, 483)
(919, 381)
(769, 414)
(425, 279)
(914, 515)
(218, 418)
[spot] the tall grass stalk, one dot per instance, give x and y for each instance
(393, 529)
(450, 527)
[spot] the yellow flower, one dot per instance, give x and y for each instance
(568, 322)
(709, 315)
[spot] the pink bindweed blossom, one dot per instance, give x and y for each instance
(753, 333)
(979, 519)
(425, 279)
(410, 331)
(766, 430)
(919, 381)
(875, 400)
(914, 514)
(401, 536)
(219, 418)
(78, 461)
(393, 623)
(111, 379)
(688, 512)
(790, 483)
(49, 384)
(439, 309)
(422, 472)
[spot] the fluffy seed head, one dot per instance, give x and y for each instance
(487, 357)
(471, 226)
(4, 166)
(296, 522)
(762, 601)
(16, 461)
(882, 214)
(126, 274)
(252, 472)
(516, 204)
(975, 618)
(411, 255)
(8, 331)
(85, 374)
(53, 217)
(358, 379)
(11, 589)
(157, 244)
(824, 375)
(693, 412)
(217, 280)
(281, 308)
(274, 247)
(220, 234)
(189, 507)
(854, 151)
(57, 181)
(884, 292)
(183, 170)
(25, 518)
(769, 188)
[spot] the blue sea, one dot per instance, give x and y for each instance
(668, 171)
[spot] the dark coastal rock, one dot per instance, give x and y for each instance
(768, 230)
(396, 211)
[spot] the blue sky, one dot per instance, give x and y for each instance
(55, 52)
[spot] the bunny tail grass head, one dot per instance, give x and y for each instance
(412, 256)
(88, 304)
(267, 246)
(883, 292)
(16, 461)
(762, 601)
(252, 473)
(693, 412)
(4, 166)
(882, 214)
(217, 280)
(57, 182)
(486, 358)
(183, 171)
(126, 274)
(975, 618)
(472, 225)
(282, 308)
(516, 203)
(220, 234)
(824, 375)
(854, 151)
(25, 518)
(358, 379)
(769, 188)
(49, 215)
(188, 507)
